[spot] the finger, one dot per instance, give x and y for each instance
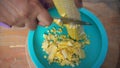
(41, 23)
(43, 15)
(5, 14)
(20, 24)
(32, 24)
(44, 18)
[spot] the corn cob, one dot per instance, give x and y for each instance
(67, 8)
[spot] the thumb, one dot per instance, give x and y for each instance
(43, 16)
(44, 19)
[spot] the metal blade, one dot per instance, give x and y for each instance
(68, 20)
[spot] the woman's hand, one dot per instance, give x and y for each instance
(29, 12)
(21, 12)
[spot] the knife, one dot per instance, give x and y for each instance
(72, 21)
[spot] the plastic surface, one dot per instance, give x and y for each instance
(4, 25)
(95, 52)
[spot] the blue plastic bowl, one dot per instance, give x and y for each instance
(95, 52)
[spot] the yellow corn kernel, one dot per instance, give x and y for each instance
(73, 31)
(52, 54)
(45, 57)
(58, 22)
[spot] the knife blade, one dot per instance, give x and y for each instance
(72, 21)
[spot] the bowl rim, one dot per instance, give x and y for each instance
(98, 23)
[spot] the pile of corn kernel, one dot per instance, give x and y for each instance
(62, 49)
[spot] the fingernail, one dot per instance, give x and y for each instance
(42, 24)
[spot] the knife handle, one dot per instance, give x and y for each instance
(4, 25)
